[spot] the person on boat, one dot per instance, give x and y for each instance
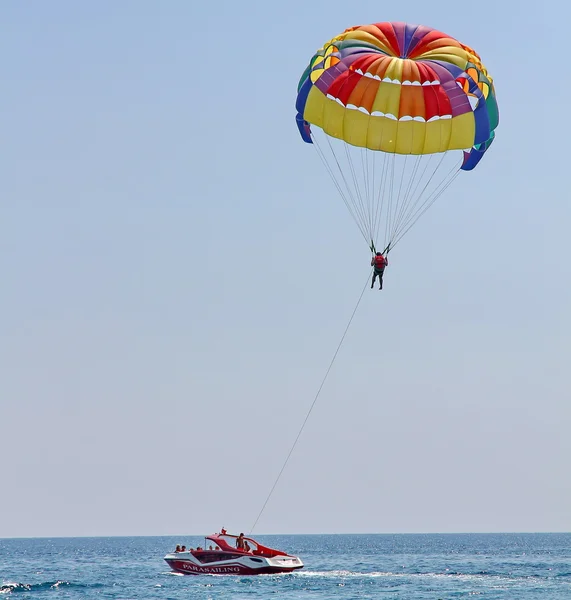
(183, 549)
(247, 546)
(177, 548)
(240, 542)
(379, 262)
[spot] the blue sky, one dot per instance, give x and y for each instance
(177, 272)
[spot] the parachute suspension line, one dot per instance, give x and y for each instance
(364, 195)
(382, 190)
(389, 195)
(431, 200)
(362, 211)
(409, 186)
(365, 179)
(381, 194)
(406, 219)
(376, 174)
(414, 209)
(412, 203)
(354, 208)
(312, 404)
(394, 202)
(413, 194)
(406, 196)
(398, 204)
(321, 155)
(390, 202)
(373, 196)
(404, 211)
(369, 182)
(377, 161)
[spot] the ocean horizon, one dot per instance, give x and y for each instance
(273, 534)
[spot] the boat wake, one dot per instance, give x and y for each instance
(341, 574)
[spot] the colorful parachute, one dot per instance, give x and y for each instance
(399, 110)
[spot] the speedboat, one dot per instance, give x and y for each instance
(223, 558)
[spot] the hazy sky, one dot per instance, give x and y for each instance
(177, 271)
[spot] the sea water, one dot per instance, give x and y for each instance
(445, 566)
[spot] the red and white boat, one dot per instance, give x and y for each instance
(223, 558)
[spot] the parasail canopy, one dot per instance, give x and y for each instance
(395, 111)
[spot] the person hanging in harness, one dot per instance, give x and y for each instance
(379, 262)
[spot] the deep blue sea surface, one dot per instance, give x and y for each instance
(490, 566)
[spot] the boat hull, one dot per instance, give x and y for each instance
(241, 565)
